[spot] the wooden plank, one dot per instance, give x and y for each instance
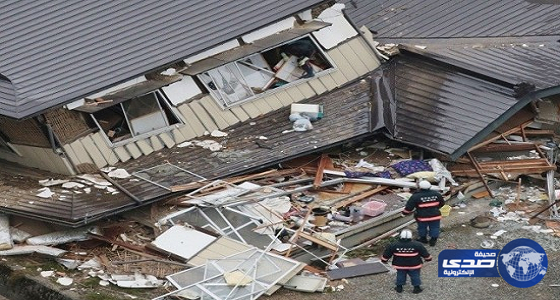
(360, 197)
(353, 58)
(93, 152)
(295, 94)
(481, 194)
(240, 113)
(306, 90)
(251, 109)
(475, 165)
(107, 152)
(191, 120)
(364, 53)
(144, 147)
(122, 154)
(505, 148)
(133, 150)
(215, 113)
(342, 64)
(317, 86)
(156, 143)
(178, 137)
(203, 116)
(319, 176)
(508, 132)
(167, 140)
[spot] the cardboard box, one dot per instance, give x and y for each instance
(313, 111)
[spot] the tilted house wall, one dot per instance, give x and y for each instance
(86, 148)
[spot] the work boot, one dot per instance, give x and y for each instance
(398, 288)
(422, 240)
(433, 241)
(417, 290)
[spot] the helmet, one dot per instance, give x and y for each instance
(424, 184)
(406, 234)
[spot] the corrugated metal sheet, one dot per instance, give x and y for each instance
(455, 18)
(58, 51)
(439, 108)
(535, 63)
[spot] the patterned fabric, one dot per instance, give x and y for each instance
(411, 166)
(357, 174)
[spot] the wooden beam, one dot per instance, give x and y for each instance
(360, 197)
(319, 175)
(506, 133)
(475, 164)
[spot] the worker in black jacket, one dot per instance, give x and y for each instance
(425, 204)
(407, 259)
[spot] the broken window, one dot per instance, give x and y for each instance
(241, 80)
(137, 116)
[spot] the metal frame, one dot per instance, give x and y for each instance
(135, 174)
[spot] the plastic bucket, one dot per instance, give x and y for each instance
(445, 210)
(320, 215)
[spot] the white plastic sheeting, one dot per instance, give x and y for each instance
(5, 236)
(62, 237)
(338, 32)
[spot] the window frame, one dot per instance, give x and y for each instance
(162, 98)
(268, 92)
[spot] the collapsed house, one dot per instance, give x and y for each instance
(180, 126)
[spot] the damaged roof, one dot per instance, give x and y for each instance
(535, 63)
(455, 18)
(265, 141)
(54, 52)
(438, 107)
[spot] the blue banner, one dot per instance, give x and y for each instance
(468, 263)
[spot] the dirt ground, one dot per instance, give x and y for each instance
(458, 234)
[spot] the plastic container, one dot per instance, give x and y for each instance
(373, 208)
(445, 210)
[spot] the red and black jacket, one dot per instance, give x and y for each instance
(426, 203)
(407, 255)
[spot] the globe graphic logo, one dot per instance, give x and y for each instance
(522, 263)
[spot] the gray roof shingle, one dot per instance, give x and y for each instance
(57, 51)
(455, 18)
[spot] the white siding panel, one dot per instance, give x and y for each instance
(203, 116)
(191, 119)
(144, 147)
(93, 152)
(133, 150)
(107, 152)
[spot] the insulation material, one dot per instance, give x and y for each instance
(183, 241)
(338, 32)
(24, 132)
(67, 125)
(5, 236)
(180, 91)
(18, 235)
(62, 237)
(20, 250)
(269, 30)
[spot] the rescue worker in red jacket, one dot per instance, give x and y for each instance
(407, 260)
(425, 204)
